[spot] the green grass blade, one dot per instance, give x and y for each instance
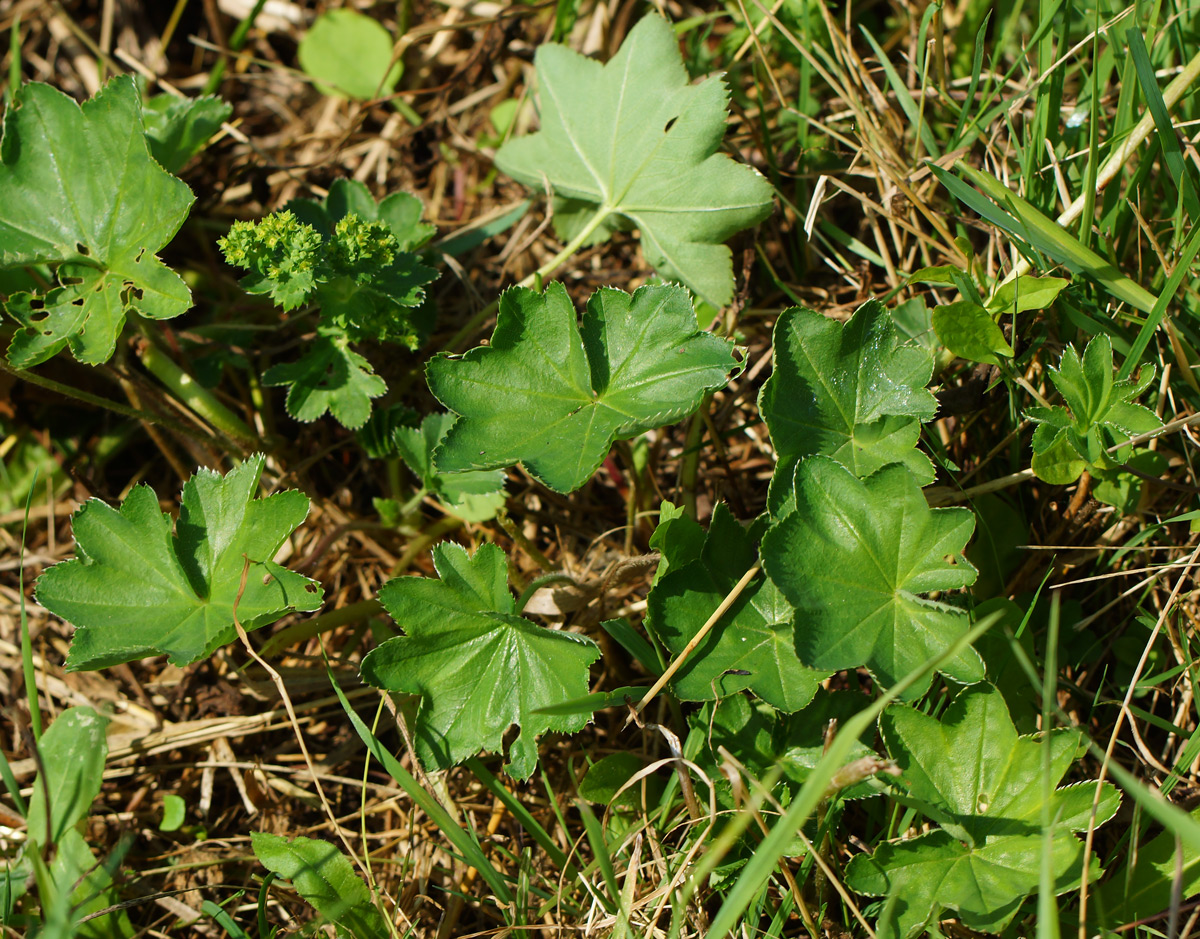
(900, 90)
(1181, 171)
(1182, 268)
(595, 837)
(1026, 222)
(462, 839)
(1047, 904)
(522, 815)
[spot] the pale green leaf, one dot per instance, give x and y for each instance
(137, 589)
(1026, 293)
(985, 785)
(80, 191)
(751, 646)
(350, 56)
(634, 142)
(478, 667)
(854, 556)
(324, 877)
(968, 330)
(72, 753)
(850, 391)
(553, 395)
(178, 128)
(474, 496)
(331, 377)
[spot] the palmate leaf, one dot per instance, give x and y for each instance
(633, 143)
(985, 786)
(331, 377)
(849, 391)
(854, 556)
(135, 589)
(752, 646)
(478, 666)
(1102, 414)
(79, 190)
(178, 128)
(474, 496)
(554, 396)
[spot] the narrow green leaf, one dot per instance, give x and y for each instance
(1023, 221)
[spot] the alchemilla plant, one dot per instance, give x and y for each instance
(709, 568)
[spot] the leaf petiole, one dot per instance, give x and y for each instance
(534, 280)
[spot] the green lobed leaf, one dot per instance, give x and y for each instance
(554, 396)
(854, 556)
(137, 589)
(324, 877)
(968, 330)
(350, 55)
(1102, 414)
(633, 143)
(752, 646)
(478, 667)
(80, 191)
(178, 128)
(850, 391)
(985, 785)
(331, 377)
(474, 496)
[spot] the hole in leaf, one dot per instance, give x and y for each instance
(670, 124)
(311, 588)
(39, 316)
(37, 303)
(138, 259)
(82, 249)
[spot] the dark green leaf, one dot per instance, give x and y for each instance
(554, 397)
(135, 589)
(78, 189)
(478, 667)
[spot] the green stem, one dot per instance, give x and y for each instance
(236, 41)
(108, 404)
(299, 632)
(31, 692)
(536, 277)
(193, 394)
(537, 583)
